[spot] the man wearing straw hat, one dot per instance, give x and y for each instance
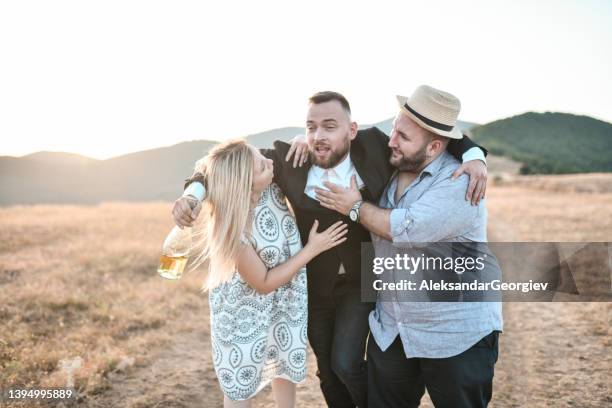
(448, 348)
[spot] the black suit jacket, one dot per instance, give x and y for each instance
(370, 155)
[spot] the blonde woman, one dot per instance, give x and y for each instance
(257, 275)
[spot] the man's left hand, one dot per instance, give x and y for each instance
(339, 198)
(477, 171)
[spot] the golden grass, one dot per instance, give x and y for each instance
(575, 183)
(82, 281)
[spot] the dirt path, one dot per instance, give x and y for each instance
(176, 379)
(179, 376)
(182, 375)
(542, 359)
(555, 354)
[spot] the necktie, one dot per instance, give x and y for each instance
(326, 176)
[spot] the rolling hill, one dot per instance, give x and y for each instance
(50, 177)
(550, 143)
(150, 175)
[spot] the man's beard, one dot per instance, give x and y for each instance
(334, 158)
(412, 163)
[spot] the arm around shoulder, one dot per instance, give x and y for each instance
(457, 147)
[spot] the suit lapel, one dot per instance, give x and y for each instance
(366, 169)
(300, 182)
(297, 178)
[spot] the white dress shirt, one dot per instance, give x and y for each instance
(340, 174)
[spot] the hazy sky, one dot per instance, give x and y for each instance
(110, 77)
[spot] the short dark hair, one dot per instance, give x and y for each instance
(326, 96)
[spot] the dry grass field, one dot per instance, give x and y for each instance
(553, 354)
(79, 284)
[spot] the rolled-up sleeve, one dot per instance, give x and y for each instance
(441, 212)
(399, 221)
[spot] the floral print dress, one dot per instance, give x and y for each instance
(255, 337)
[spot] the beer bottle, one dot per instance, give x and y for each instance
(175, 250)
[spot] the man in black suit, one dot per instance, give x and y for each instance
(338, 320)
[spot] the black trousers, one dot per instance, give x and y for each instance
(337, 330)
(464, 380)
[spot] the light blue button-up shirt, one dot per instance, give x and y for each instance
(432, 209)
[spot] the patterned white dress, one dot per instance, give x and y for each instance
(256, 338)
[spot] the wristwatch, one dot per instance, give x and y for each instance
(354, 212)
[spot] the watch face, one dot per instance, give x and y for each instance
(353, 215)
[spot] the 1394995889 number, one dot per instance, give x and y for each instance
(37, 393)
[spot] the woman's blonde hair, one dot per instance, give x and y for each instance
(228, 175)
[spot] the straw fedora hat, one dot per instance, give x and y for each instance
(433, 110)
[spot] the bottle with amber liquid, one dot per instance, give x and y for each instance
(175, 253)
